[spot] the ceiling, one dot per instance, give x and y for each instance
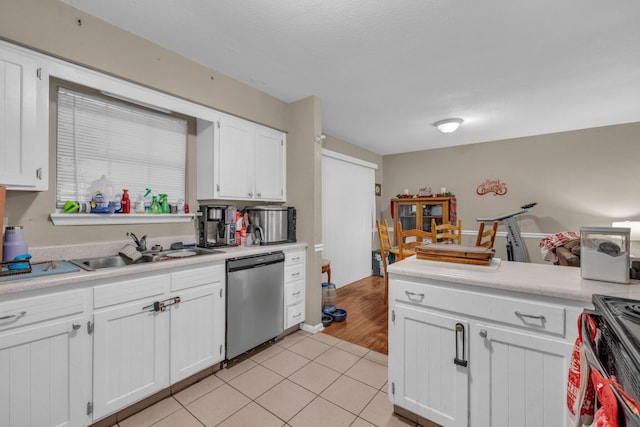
(386, 70)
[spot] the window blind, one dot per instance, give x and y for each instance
(135, 148)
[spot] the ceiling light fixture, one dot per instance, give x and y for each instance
(448, 125)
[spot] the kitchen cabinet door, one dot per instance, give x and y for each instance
(270, 164)
(234, 159)
(423, 376)
(197, 330)
(24, 140)
(240, 160)
(46, 374)
(520, 378)
(130, 354)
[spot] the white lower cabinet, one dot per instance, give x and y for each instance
(524, 376)
(294, 288)
(130, 343)
(426, 379)
(153, 331)
(45, 361)
(198, 321)
(470, 356)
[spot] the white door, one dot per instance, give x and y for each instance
(423, 375)
(520, 378)
(46, 375)
(197, 330)
(131, 355)
(348, 213)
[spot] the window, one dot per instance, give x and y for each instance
(136, 148)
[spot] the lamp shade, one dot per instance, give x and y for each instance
(448, 125)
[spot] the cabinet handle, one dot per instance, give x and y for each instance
(483, 333)
(258, 194)
(531, 316)
(75, 326)
(295, 274)
(295, 294)
(297, 315)
(295, 258)
(162, 305)
(250, 194)
(457, 360)
(156, 306)
(414, 297)
(13, 316)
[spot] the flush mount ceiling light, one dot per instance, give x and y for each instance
(448, 125)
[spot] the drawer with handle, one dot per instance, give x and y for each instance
(294, 293)
(530, 314)
(26, 311)
(293, 273)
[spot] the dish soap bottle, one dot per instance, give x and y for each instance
(125, 202)
(155, 206)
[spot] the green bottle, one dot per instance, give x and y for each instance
(155, 206)
(164, 204)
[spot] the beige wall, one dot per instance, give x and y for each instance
(304, 190)
(579, 178)
(52, 28)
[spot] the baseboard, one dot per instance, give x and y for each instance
(314, 329)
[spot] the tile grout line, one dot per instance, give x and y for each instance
(316, 395)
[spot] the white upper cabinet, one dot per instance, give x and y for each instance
(24, 147)
(270, 166)
(240, 160)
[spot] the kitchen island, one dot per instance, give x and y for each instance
(485, 346)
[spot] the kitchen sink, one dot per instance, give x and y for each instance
(114, 261)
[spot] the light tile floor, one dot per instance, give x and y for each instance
(303, 380)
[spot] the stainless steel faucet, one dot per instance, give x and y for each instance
(140, 243)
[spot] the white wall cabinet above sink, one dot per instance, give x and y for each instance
(24, 100)
(240, 160)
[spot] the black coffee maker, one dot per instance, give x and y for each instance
(216, 226)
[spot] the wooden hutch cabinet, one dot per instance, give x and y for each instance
(418, 212)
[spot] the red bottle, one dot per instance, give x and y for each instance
(125, 202)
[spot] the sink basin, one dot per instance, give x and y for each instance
(106, 262)
(113, 261)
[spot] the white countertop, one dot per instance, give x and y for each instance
(28, 284)
(538, 279)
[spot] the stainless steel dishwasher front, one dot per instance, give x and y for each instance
(255, 301)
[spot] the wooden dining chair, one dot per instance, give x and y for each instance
(446, 233)
(407, 247)
(486, 238)
(385, 249)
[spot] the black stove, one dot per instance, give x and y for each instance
(618, 343)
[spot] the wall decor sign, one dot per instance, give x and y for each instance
(492, 186)
(378, 189)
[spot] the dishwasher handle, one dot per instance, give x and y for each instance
(245, 263)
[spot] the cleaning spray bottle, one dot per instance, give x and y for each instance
(155, 206)
(164, 204)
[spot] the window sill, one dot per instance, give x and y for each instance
(115, 219)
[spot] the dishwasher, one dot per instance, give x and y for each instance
(255, 301)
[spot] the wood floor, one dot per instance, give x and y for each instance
(367, 319)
